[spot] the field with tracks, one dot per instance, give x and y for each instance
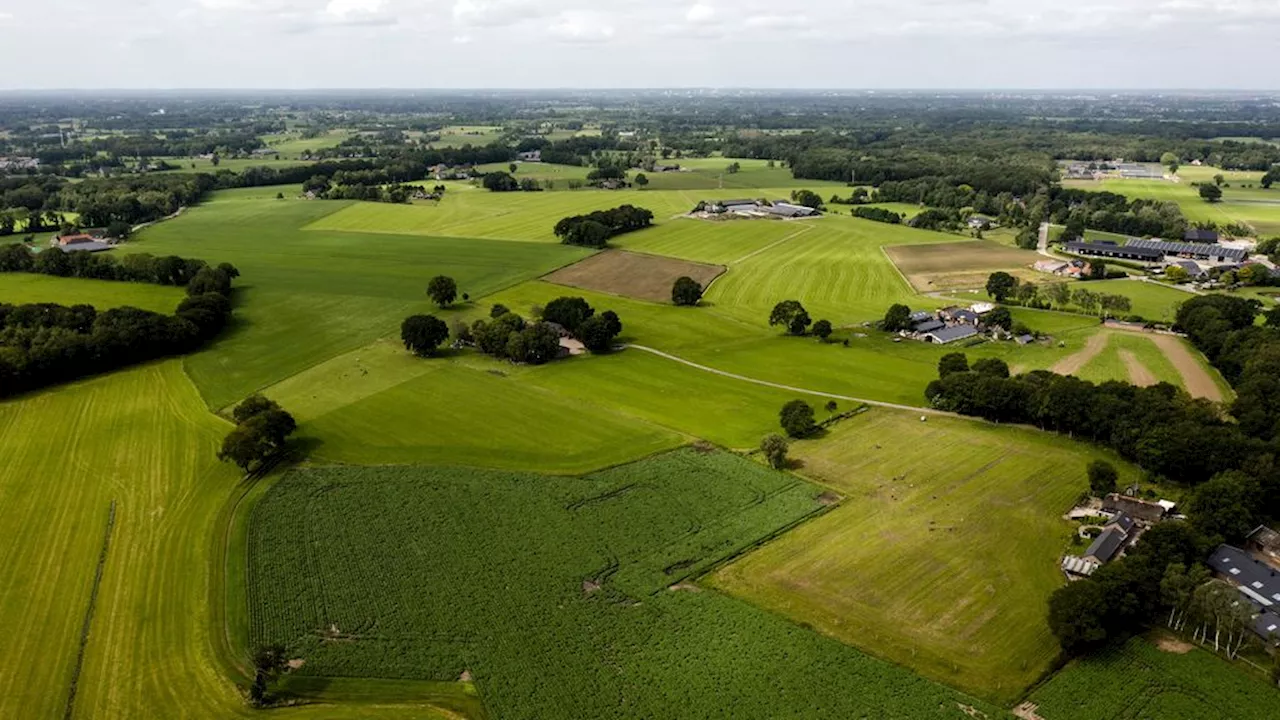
(957, 264)
(561, 597)
(645, 277)
(944, 554)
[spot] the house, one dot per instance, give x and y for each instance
(1264, 543)
(977, 222)
(1140, 510)
(963, 316)
(1053, 267)
(1193, 270)
(1200, 235)
(921, 315)
(1113, 538)
(531, 156)
(1258, 582)
(949, 334)
(91, 246)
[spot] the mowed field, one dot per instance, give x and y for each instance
(20, 288)
(941, 266)
(141, 441)
(561, 597)
(944, 553)
(646, 277)
(1252, 206)
(1138, 681)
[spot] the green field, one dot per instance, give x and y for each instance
(944, 554)
(19, 288)
(1140, 682)
(561, 597)
(711, 173)
(1153, 301)
(291, 144)
(1252, 206)
(140, 439)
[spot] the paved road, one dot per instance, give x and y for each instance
(792, 388)
(1043, 246)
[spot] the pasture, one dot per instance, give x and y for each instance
(944, 265)
(1254, 206)
(712, 173)
(646, 277)
(1150, 300)
(292, 144)
(1138, 681)
(20, 288)
(561, 597)
(139, 440)
(943, 555)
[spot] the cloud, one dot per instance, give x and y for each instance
(581, 27)
(700, 13)
(777, 21)
(496, 13)
(343, 8)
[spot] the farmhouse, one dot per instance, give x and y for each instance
(1194, 271)
(1200, 235)
(1114, 537)
(977, 222)
(1257, 582)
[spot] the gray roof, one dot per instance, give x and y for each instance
(963, 314)
(1190, 248)
(1114, 250)
(953, 333)
(1106, 545)
(928, 326)
(1123, 521)
(730, 203)
(1256, 579)
(919, 315)
(92, 247)
(1201, 235)
(1267, 624)
(792, 210)
(1189, 265)
(742, 208)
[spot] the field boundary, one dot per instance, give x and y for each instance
(87, 624)
(770, 246)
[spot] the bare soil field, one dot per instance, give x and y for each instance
(647, 277)
(937, 266)
(1139, 374)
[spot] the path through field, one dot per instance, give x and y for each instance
(1195, 378)
(1138, 373)
(1071, 364)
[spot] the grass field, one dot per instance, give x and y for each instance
(1139, 682)
(561, 597)
(711, 173)
(717, 242)
(19, 288)
(944, 554)
(140, 439)
(292, 144)
(1152, 301)
(1252, 206)
(306, 296)
(457, 136)
(646, 277)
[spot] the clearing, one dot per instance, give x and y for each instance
(646, 277)
(944, 554)
(20, 288)
(552, 592)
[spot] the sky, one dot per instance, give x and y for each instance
(947, 44)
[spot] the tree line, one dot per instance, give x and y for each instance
(45, 343)
(594, 229)
(130, 199)
(134, 267)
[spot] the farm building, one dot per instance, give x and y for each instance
(788, 210)
(1154, 251)
(91, 246)
(1112, 250)
(1200, 235)
(1114, 537)
(1073, 565)
(1258, 582)
(1194, 271)
(531, 156)
(1264, 543)
(1139, 510)
(945, 335)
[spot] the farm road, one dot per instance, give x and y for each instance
(791, 388)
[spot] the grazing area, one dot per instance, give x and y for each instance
(943, 555)
(1254, 207)
(23, 288)
(944, 265)
(427, 573)
(645, 277)
(1137, 681)
(719, 243)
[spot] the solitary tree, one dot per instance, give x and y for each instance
(774, 447)
(897, 317)
(791, 315)
(243, 447)
(513, 168)
(268, 662)
(1001, 285)
(1102, 477)
(1210, 193)
(253, 405)
(1219, 179)
(822, 329)
(442, 290)
(686, 291)
(422, 334)
(797, 418)
(641, 179)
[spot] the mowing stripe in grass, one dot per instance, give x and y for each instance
(88, 612)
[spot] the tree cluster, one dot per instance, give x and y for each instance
(508, 335)
(135, 267)
(262, 428)
(594, 229)
(878, 214)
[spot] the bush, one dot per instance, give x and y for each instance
(774, 447)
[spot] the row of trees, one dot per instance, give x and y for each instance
(130, 199)
(42, 344)
(878, 214)
(594, 229)
(261, 431)
(138, 267)
(1006, 288)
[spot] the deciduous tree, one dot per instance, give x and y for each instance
(422, 334)
(442, 290)
(791, 315)
(774, 447)
(796, 418)
(686, 291)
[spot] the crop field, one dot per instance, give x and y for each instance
(1139, 682)
(19, 288)
(944, 554)
(140, 439)
(428, 573)
(307, 296)
(647, 277)
(932, 266)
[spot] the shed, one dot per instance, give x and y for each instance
(950, 334)
(1106, 545)
(1140, 510)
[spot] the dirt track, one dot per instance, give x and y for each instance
(1138, 373)
(1194, 377)
(1072, 363)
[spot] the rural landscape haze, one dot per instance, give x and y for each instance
(621, 360)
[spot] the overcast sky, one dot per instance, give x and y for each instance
(641, 43)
